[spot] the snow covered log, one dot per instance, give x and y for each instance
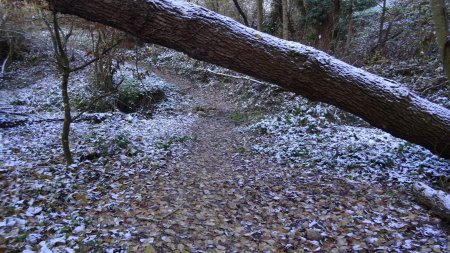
(437, 201)
(208, 36)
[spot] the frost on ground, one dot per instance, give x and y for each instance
(320, 137)
(49, 207)
(312, 137)
(132, 186)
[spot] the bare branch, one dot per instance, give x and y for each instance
(95, 100)
(105, 52)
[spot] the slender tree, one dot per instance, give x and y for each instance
(380, 41)
(284, 4)
(299, 14)
(60, 40)
(440, 17)
(241, 12)
(349, 35)
(259, 14)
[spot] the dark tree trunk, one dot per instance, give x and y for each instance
(67, 119)
(64, 66)
(208, 36)
(300, 25)
(349, 29)
(440, 17)
(259, 14)
(380, 42)
(327, 29)
(284, 5)
(241, 12)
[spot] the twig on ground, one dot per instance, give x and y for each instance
(95, 100)
(13, 113)
(236, 77)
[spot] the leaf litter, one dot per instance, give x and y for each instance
(192, 179)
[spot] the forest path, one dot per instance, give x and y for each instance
(221, 197)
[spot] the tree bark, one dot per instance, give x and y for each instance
(208, 36)
(64, 65)
(439, 12)
(284, 4)
(259, 14)
(67, 119)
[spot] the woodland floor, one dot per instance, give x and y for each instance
(223, 197)
(220, 196)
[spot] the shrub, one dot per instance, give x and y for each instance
(129, 96)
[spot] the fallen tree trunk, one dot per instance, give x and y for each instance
(437, 201)
(208, 36)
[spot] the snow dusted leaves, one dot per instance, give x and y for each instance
(304, 135)
(32, 211)
(130, 187)
(51, 208)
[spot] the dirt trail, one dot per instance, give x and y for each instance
(223, 198)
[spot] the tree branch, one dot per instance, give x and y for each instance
(95, 100)
(241, 12)
(106, 51)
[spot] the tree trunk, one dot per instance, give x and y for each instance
(335, 17)
(284, 4)
(67, 118)
(327, 29)
(301, 17)
(64, 65)
(207, 36)
(380, 42)
(349, 29)
(8, 56)
(439, 12)
(259, 14)
(241, 12)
